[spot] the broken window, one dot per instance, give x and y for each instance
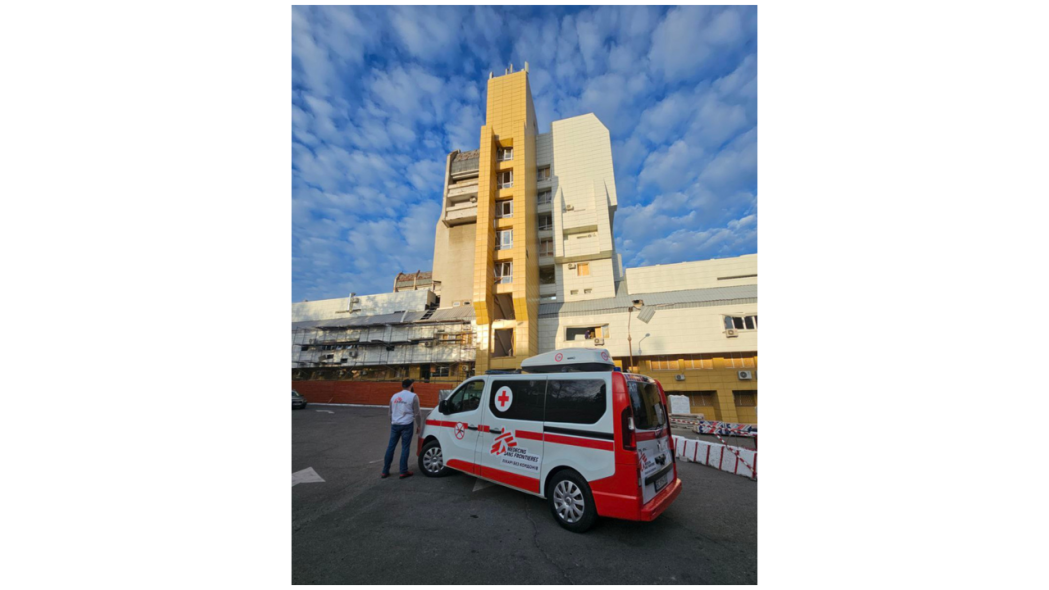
(503, 342)
(547, 276)
(586, 332)
(504, 208)
(504, 272)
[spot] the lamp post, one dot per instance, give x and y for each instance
(639, 343)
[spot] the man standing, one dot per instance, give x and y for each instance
(404, 415)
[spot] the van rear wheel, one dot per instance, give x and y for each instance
(571, 502)
(431, 460)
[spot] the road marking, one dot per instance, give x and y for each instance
(481, 484)
(375, 461)
(325, 411)
(307, 475)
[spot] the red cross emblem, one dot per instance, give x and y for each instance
(503, 398)
(460, 430)
(558, 357)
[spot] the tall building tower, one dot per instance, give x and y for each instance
(506, 265)
(531, 215)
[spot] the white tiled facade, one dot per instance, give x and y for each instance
(583, 188)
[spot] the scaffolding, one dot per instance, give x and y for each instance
(388, 350)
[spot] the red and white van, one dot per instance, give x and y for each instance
(591, 440)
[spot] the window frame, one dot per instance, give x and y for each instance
(539, 173)
(544, 251)
(549, 193)
(508, 277)
(579, 269)
(540, 222)
(501, 241)
(503, 183)
(502, 152)
(500, 205)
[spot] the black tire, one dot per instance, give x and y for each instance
(565, 492)
(431, 457)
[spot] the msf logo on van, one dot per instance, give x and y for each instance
(503, 443)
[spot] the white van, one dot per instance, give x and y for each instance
(571, 429)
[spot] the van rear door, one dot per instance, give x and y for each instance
(652, 435)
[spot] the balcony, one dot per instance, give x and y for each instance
(460, 213)
(462, 191)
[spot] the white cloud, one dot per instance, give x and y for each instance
(429, 33)
(672, 168)
(689, 38)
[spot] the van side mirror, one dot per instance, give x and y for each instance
(442, 407)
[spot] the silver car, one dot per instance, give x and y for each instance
(297, 401)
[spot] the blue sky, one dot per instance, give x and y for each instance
(380, 95)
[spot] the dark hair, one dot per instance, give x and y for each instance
(407, 383)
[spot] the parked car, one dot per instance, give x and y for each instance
(572, 429)
(297, 401)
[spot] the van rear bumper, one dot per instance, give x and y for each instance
(628, 507)
(661, 502)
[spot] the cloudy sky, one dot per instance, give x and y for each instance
(381, 95)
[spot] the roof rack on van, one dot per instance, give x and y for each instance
(570, 360)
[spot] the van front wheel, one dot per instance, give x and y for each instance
(431, 460)
(571, 502)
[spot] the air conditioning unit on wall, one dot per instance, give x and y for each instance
(679, 377)
(730, 333)
(599, 341)
(745, 375)
(571, 265)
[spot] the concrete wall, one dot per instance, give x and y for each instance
(453, 262)
(693, 275)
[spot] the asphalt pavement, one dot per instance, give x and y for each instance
(355, 528)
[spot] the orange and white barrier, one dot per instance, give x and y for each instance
(728, 458)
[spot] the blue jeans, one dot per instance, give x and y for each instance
(404, 432)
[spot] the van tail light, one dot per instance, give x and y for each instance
(629, 438)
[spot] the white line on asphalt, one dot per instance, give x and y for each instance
(325, 411)
(307, 475)
(481, 484)
(375, 461)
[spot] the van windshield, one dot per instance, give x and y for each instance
(647, 405)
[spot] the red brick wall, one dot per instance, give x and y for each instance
(373, 393)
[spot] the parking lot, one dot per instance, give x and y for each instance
(354, 528)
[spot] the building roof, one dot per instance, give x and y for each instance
(624, 299)
(465, 312)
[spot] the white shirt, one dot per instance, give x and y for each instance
(404, 408)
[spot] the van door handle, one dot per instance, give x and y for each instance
(471, 428)
(496, 430)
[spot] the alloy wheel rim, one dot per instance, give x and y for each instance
(432, 460)
(568, 501)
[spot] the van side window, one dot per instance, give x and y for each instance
(527, 402)
(467, 398)
(580, 401)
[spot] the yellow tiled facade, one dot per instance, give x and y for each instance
(510, 123)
